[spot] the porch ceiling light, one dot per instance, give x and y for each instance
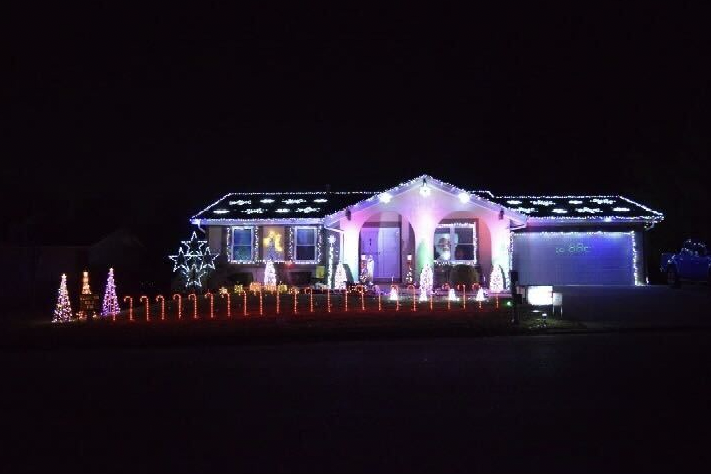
(463, 197)
(385, 198)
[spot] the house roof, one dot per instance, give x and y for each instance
(276, 205)
(604, 208)
(311, 206)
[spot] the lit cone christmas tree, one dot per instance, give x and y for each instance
(340, 279)
(270, 280)
(110, 307)
(63, 310)
(426, 278)
(496, 282)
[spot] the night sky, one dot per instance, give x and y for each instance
(140, 118)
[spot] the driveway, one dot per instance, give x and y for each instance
(638, 306)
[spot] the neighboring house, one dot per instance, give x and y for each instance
(559, 240)
(36, 269)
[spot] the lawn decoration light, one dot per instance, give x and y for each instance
(193, 297)
(130, 306)
(178, 297)
(195, 262)
(148, 307)
(162, 306)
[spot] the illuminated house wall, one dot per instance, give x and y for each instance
(438, 223)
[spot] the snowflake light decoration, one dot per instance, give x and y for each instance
(194, 260)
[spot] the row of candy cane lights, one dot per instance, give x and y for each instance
(295, 292)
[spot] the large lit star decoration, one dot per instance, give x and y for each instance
(194, 260)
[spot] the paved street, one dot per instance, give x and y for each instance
(566, 403)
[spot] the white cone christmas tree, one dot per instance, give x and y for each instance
(425, 283)
(480, 295)
(340, 279)
(63, 310)
(270, 280)
(496, 282)
(110, 306)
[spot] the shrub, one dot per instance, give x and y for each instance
(465, 274)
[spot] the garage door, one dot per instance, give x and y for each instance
(574, 258)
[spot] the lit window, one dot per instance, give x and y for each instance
(272, 242)
(242, 244)
(455, 244)
(305, 244)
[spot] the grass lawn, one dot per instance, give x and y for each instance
(392, 320)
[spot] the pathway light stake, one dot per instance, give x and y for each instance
(464, 295)
(130, 307)
(310, 291)
(162, 306)
(178, 297)
(193, 297)
(296, 292)
(148, 308)
(361, 290)
(229, 310)
(212, 304)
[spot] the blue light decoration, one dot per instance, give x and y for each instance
(195, 262)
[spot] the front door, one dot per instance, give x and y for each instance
(383, 243)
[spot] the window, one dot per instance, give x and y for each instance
(305, 244)
(455, 243)
(273, 242)
(242, 244)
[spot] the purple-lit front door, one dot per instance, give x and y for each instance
(383, 243)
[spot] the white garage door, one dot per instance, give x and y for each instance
(574, 258)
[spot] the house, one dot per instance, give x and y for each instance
(554, 240)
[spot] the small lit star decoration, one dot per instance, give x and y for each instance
(194, 261)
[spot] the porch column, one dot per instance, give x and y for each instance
(351, 242)
(423, 226)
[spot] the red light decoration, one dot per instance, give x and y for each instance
(244, 294)
(345, 299)
(464, 295)
(296, 292)
(328, 300)
(212, 304)
(193, 297)
(222, 295)
(178, 297)
(277, 301)
(162, 306)
(130, 306)
(310, 291)
(380, 305)
(148, 309)
(261, 305)
(414, 300)
(497, 301)
(361, 290)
